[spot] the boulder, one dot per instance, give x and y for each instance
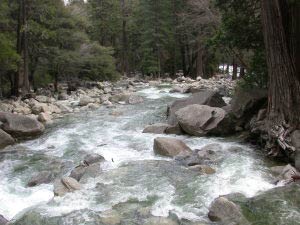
(176, 129)
(44, 177)
(278, 205)
(21, 126)
(63, 108)
(44, 99)
(3, 221)
(210, 98)
(93, 106)
(189, 160)
(170, 147)
(226, 212)
(135, 99)
(198, 120)
(63, 96)
(158, 128)
(286, 174)
(5, 139)
(85, 100)
(180, 89)
(247, 103)
(123, 97)
(78, 172)
(65, 185)
(209, 152)
(44, 118)
(93, 158)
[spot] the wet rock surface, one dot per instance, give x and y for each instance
(170, 147)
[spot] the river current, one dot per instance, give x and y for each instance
(133, 178)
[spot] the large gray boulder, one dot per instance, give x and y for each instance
(158, 128)
(21, 126)
(170, 147)
(5, 139)
(85, 100)
(198, 120)
(210, 98)
(226, 212)
(247, 103)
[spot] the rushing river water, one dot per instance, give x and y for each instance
(133, 181)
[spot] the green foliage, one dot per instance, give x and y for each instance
(240, 36)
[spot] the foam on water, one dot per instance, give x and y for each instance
(120, 141)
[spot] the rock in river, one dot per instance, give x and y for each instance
(170, 147)
(226, 212)
(65, 185)
(210, 98)
(5, 139)
(21, 126)
(198, 120)
(158, 128)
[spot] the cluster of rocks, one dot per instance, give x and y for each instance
(198, 160)
(235, 208)
(187, 85)
(26, 116)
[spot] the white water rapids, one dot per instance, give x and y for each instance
(134, 173)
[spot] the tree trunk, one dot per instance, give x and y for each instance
(124, 66)
(234, 69)
(199, 61)
(242, 71)
(183, 61)
(284, 82)
(227, 69)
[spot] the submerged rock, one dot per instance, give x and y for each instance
(227, 212)
(203, 169)
(5, 139)
(44, 177)
(170, 147)
(21, 126)
(93, 158)
(158, 128)
(198, 120)
(276, 206)
(160, 221)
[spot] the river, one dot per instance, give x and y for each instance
(133, 181)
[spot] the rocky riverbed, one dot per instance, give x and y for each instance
(114, 157)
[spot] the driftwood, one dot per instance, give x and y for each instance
(281, 140)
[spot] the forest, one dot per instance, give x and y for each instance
(153, 111)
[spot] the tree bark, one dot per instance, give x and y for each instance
(199, 62)
(242, 72)
(234, 69)
(124, 66)
(284, 82)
